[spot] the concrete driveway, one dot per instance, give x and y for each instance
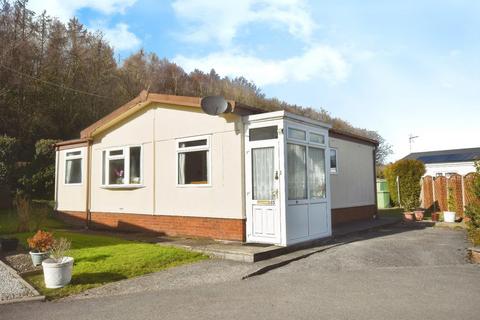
(394, 273)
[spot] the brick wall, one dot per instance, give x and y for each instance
(214, 228)
(345, 215)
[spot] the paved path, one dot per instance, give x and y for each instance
(394, 273)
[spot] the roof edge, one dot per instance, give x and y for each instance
(340, 133)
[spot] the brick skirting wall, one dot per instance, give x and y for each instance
(214, 228)
(345, 215)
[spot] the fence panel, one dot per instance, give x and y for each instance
(455, 186)
(427, 193)
(467, 186)
(440, 185)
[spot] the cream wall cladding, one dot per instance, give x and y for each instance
(353, 185)
(70, 197)
(157, 129)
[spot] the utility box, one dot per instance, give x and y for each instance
(383, 195)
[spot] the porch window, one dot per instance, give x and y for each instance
(316, 176)
(297, 172)
(297, 134)
(193, 161)
(263, 133)
(73, 167)
(122, 166)
(333, 161)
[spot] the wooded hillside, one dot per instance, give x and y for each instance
(56, 79)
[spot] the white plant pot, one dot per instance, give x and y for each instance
(449, 216)
(57, 274)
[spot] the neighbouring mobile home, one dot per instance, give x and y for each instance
(161, 164)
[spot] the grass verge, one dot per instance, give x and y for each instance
(103, 259)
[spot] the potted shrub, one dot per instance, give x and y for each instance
(419, 213)
(435, 216)
(57, 270)
(449, 216)
(8, 244)
(40, 245)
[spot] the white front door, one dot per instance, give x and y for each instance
(262, 184)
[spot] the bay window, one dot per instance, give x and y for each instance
(122, 166)
(193, 161)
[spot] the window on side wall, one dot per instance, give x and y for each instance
(122, 166)
(73, 167)
(333, 161)
(193, 161)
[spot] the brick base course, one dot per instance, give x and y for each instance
(351, 214)
(214, 228)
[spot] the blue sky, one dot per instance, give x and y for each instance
(398, 67)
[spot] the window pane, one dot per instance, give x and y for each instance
(297, 134)
(264, 133)
(73, 171)
(262, 173)
(316, 176)
(74, 153)
(195, 143)
(116, 152)
(135, 165)
(333, 160)
(192, 167)
(117, 171)
(317, 138)
(297, 172)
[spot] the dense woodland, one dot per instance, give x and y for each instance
(56, 79)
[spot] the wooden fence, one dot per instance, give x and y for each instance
(436, 190)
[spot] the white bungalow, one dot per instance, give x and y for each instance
(160, 164)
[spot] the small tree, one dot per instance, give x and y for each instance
(473, 210)
(410, 173)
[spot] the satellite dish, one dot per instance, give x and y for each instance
(214, 105)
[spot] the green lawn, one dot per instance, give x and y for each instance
(103, 259)
(9, 222)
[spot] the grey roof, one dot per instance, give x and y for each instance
(442, 156)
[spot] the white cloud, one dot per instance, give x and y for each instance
(219, 20)
(317, 62)
(64, 10)
(119, 37)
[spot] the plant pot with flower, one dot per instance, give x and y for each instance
(57, 270)
(449, 216)
(40, 245)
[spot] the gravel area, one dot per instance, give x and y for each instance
(21, 262)
(11, 286)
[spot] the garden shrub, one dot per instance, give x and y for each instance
(410, 172)
(472, 211)
(42, 241)
(39, 180)
(8, 157)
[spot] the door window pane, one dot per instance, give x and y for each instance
(264, 133)
(192, 167)
(297, 134)
(135, 165)
(117, 171)
(263, 173)
(73, 171)
(297, 172)
(316, 176)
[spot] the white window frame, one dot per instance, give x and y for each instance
(333, 170)
(206, 147)
(105, 183)
(307, 143)
(74, 157)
